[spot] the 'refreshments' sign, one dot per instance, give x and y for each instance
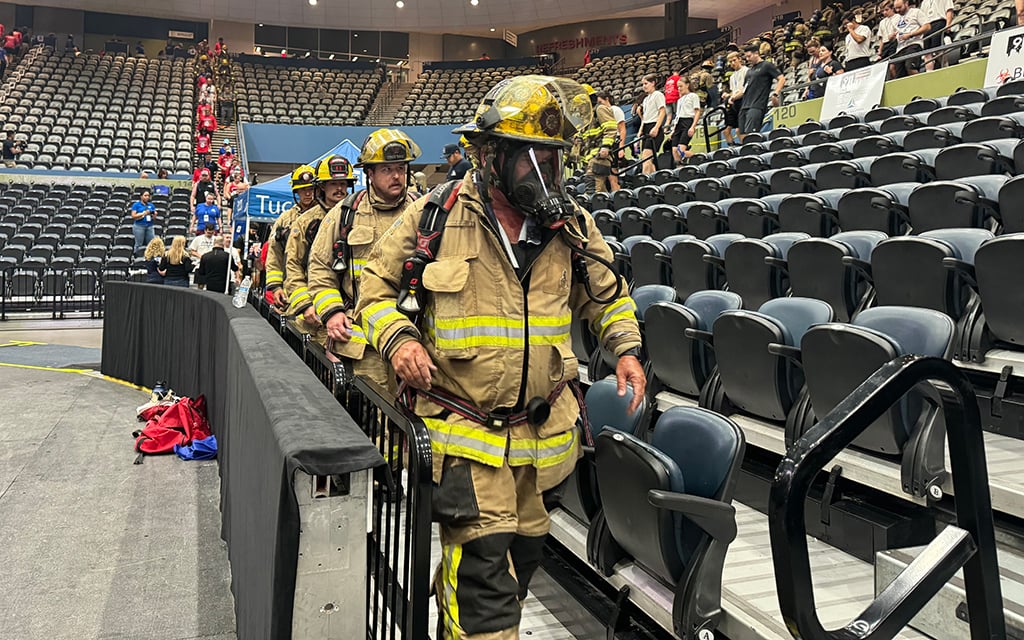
(1005, 57)
(588, 42)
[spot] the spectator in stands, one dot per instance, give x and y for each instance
(225, 147)
(69, 45)
(11, 149)
(213, 267)
(161, 174)
(858, 43)
(827, 66)
(652, 123)
(207, 123)
(420, 179)
(457, 165)
(202, 147)
(140, 49)
(812, 59)
(687, 119)
(143, 213)
(236, 186)
(886, 31)
(176, 265)
(939, 14)
(154, 254)
(671, 95)
(757, 93)
(911, 27)
(618, 157)
(199, 247)
(217, 48)
(201, 188)
(227, 105)
(734, 98)
(206, 214)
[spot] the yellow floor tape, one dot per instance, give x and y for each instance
(87, 372)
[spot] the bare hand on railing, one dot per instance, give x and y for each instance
(413, 365)
(629, 370)
(280, 299)
(310, 316)
(339, 327)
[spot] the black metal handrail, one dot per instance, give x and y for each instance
(969, 544)
(398, 543)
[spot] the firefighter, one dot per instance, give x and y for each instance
(345, 238)
(331, 181)
(505, 263)
(302, 194)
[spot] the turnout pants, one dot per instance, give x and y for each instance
(493, 525)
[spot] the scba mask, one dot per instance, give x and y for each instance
(532, 181)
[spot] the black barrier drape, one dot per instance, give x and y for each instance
(271, 417)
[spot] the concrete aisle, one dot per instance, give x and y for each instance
(91, 545)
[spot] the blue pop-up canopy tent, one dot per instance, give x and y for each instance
(267, 200)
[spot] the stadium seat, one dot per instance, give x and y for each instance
(906, 166)
(948, 204)
(698, 264)
(875, 337)
(667, 505)
(834, 269)
(650, 260)
(756, 269)
(811, 213)
(685, 356)
(666, 221)
(754, 217)
(997, 265)
(758, 356)
(914, 271)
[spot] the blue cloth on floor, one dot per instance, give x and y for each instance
(204, 449)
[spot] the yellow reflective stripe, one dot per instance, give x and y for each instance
(275, 276)
(453, 558)
(358, 336)
(357, 267)
(622, 309)
(497, 331)
(376, 317)
(326, 298)
(472, 443)
(542, 452)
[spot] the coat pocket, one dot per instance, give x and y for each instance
(452, 318)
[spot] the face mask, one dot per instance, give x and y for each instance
(533, 184)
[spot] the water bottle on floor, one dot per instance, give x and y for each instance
(243, 293)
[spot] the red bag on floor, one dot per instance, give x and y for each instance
(176, 424)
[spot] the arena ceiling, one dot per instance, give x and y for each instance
(429, 16)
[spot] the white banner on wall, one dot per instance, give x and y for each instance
(1005, 57)
(854, 91)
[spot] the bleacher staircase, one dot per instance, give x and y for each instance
(389, 100)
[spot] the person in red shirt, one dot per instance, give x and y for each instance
(207, 123)
(202, 147)
(204, 109)
(671, 95)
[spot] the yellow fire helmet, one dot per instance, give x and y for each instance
(334, 167)
(303, 177)
(387, 145)
(532, 108)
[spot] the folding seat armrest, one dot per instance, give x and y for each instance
(715, 517)
(757, 211)
(860, 265)
(963, 269)
(699, 334)
(661, 257)
(781, 263)
(718, 261)
(786, 351)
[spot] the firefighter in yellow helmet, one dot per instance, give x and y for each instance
(302, 194)
(483, 349)
(331, 181)
(346, 236)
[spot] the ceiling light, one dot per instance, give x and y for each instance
(399, 4)
(260, 24)
(354, 58)
(307, 55)
(355, 35)
(312, 3)
(330, 57)
(377, 60)
(492, 28)
(474, 2)
(364, 50)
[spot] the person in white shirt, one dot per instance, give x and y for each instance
(687, 117)
(200, 246)
(858, 43)
(734, 104)
(911, 27)
(939, 14)
(652, 123)
(886, 31)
